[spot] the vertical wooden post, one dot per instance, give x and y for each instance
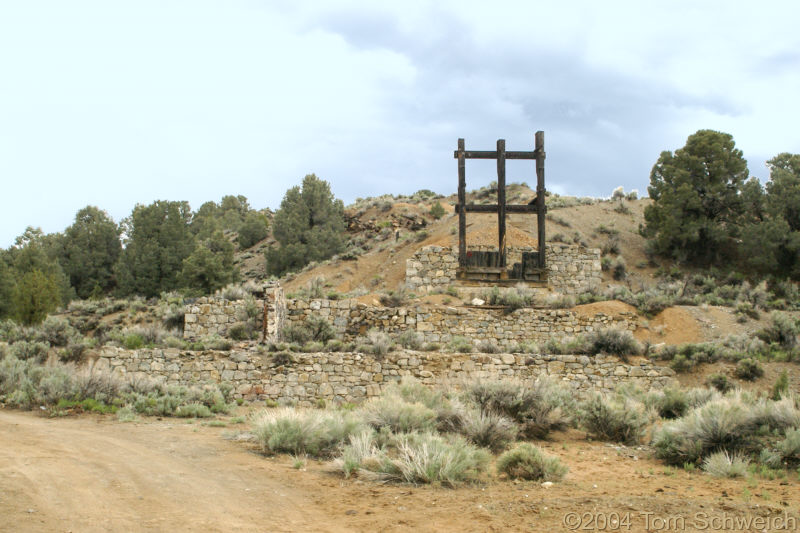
(462, 204)
(501, 199)
(540, 192)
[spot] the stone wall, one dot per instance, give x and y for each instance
(214, 315)
(571, 269)
(440, 323)
(353, 377)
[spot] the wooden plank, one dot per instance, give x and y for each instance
(540, 194)
(501, 199)
(462, 201)
(492, 208)
(489, 154)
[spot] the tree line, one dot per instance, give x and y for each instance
(162, 247)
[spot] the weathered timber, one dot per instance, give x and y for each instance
(540, 193)
(462, 199)
(492, 208)
(501, 199)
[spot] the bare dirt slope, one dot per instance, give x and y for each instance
(96, 474)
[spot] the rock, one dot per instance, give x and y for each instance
(477, 301)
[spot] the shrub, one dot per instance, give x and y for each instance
(319, 329)
(612, 341)
(215, 342)
(296, 333)
(618, 269)
(132, 341)
(488, 429)
(437, 211)
(719, 382)
(411, 339)
(782, 330)
(316, 432)
(781, 386)
(56, 331)
(671, 403)
(722, 464)
(430, 458)
(376, 343)
(391, 411)
(724, 424)
(487, 346)
(614, 419)
(538, 408)
(393, 298)
(460, 345)
(789, 447)
(749, 369)
(526, 461)
(240, 332)
(193, 410)
(34, 351)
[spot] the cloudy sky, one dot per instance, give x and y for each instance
(114, 103)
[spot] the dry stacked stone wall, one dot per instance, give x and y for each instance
(440, 324)
(214, 315)
(571, 269)
(353, 377)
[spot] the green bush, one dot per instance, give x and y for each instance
(411, 340)
(781, 386)
(34, 351)
(720, 382)
(614, 419)
(612, 341)
(488, 346)
(376, 342)
(789, 447)
(671, 403)
(749, 369)
(526, 461)
(56, 331)
(460, 345)
(783, 330)
(193, 410)
(437, 211)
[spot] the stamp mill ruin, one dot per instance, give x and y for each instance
(305, 377)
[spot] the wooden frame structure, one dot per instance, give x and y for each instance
(491, 266)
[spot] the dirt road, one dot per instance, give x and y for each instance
(92, 473)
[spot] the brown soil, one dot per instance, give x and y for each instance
(92, 473)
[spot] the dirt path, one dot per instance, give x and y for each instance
(89, 473)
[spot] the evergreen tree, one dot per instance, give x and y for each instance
(35, 295)
(158, 240)
(697, 203)
(90, 249)
(309, 226)
(254, 228)
(210, 266)
(6, 287)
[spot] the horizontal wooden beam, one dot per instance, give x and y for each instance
(492, 208)
(492, 154)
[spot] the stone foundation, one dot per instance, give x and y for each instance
(571, 269)
(215, 316)
(353, 377)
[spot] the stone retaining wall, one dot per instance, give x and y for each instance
(353, 377)
(440, 323)
(571, 269)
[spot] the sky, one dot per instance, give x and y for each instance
(113, 103)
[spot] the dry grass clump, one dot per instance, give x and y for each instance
(414, 458)
(723, 464)
(316, 433)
